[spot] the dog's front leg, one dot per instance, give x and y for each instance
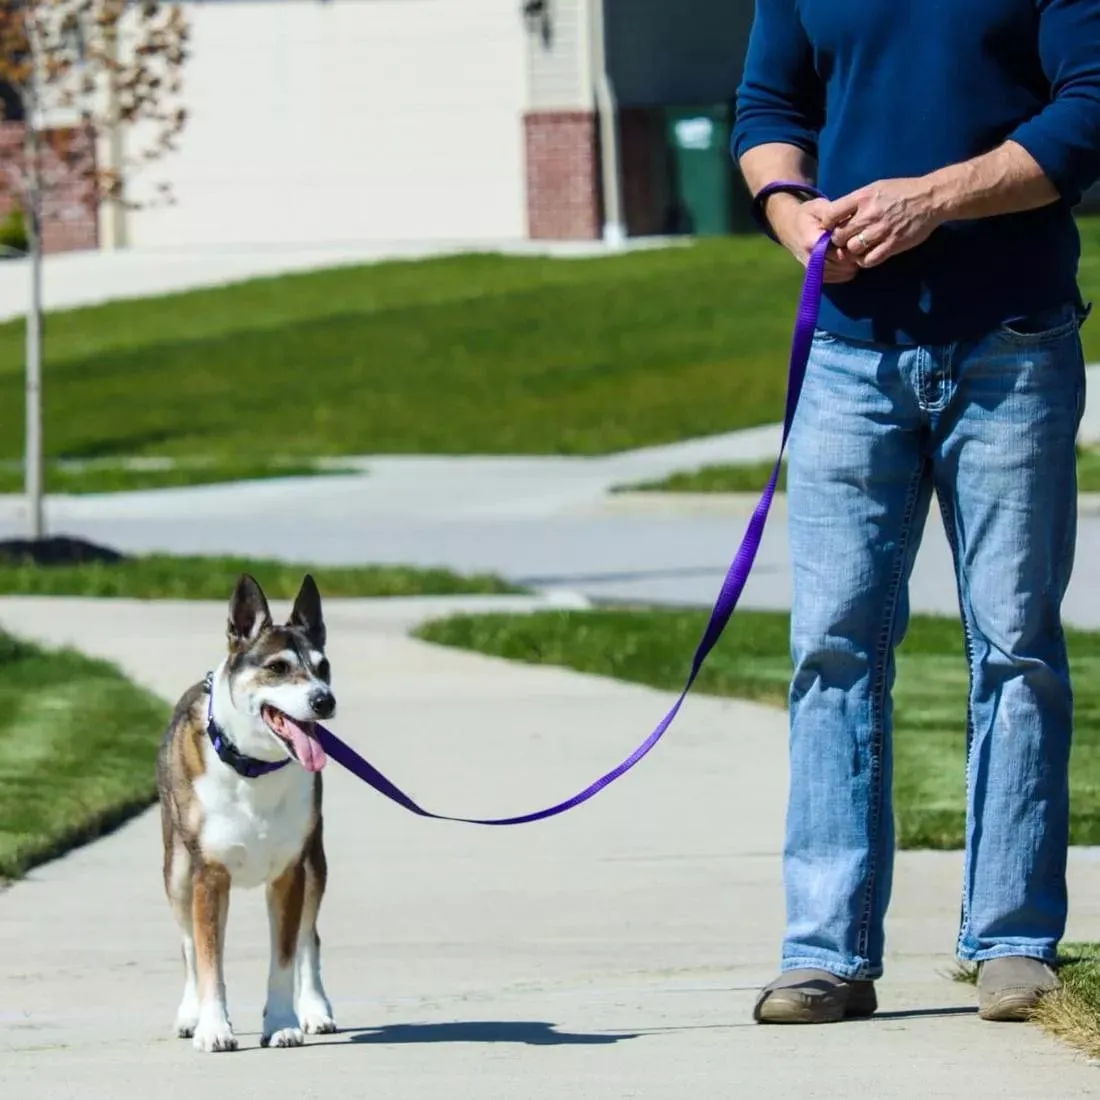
(210, 909)
(314, 1009)
(179, 883)
(284, 912)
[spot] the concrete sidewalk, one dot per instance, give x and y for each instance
(611, 953)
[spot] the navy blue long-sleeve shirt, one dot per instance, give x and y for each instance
(875, 89)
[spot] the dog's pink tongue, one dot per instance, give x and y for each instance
(308, 749)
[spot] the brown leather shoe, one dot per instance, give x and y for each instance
(814, 997)
(1011, 988)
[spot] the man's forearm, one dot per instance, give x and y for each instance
(765, 164)
(1007, 180)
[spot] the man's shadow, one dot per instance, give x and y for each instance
(534, 1033)
(539, 1033)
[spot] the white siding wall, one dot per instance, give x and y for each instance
(347, 120)
(559, 70)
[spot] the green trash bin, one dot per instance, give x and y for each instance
(706, 198)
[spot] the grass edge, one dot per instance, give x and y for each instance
(118, 812)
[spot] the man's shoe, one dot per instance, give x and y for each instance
(1011, 988)
(813, 997)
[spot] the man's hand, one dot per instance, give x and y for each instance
(883, 219)
(799, 226)
(893, 215)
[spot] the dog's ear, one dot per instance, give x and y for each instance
(307, 614)
(249, 615)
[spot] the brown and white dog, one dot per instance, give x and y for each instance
(239, 780)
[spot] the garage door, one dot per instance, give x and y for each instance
(317, 121)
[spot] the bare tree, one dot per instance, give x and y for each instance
(80, 78)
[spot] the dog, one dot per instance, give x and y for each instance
(239, 784)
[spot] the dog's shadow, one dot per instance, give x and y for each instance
(535, 1033)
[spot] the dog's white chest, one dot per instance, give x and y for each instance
(254, 827)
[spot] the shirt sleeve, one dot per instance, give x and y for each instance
(780, 98)
(1064, 138)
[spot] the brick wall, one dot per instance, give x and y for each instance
(563, 175)
(564, 196)
(69, 215)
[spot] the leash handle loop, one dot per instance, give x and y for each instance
(800, 190)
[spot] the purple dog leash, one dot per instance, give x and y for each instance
(732, 586)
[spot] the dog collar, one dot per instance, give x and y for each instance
(246, 766)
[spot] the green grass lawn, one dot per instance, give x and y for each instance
(480, 353)
(465, 354)
(117, 477)
(161, 576)
(752, 662)
(751, 477)
(77, 746)
(1073, 1013)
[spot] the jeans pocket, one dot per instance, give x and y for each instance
(1043, 326)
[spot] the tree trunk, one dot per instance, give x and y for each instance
(33, 466)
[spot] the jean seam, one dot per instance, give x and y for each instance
(947, 502)
(988, 954)
(878, 709)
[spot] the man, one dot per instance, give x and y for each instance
(952, 138)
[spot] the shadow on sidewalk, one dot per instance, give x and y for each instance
(920, 1013)
(538, 1033)
(529, 1033)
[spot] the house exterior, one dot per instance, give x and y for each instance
(451, 121)
(630, 61)
(314, 121)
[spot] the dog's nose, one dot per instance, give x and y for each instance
(323, 702)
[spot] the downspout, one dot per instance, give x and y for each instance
(114, 209)
(614, 229)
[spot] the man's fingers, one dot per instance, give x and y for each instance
(841, 265)
(840, 211)
(857, 237)
(840, 269)
(878, 254)
(840, 274)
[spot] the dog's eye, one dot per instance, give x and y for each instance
(278, 668)
(323, 670)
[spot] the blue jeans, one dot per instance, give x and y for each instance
(991, 426)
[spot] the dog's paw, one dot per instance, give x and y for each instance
(315, 1014)
(318, 1023)
(187, 1019)
(284, 1037)
(281, 1028)
(212, 1036)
